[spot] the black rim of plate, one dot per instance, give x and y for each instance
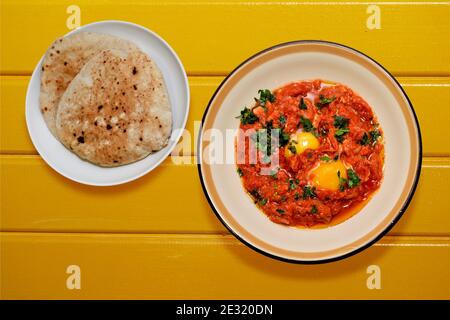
(353, 252)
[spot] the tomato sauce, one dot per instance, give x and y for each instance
(327, 159)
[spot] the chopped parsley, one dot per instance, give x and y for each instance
(302, 104)
(314, 210)
(262, 202)
(325, 158)
(247, 116)
(264, 96)
(309, 192)
(339, 134)
(374, 135)
(293, 184)
(282, 120)
(370, 138)
(264, 139)
(240, 173)
(284, 138)
(324, 101)
(256, 195)
(280, 211)
(353, 179)
(291, 147)
(306, 124)
(341, 123)
(365, 139)
(342, 181)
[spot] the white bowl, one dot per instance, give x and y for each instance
(69, 164)
(303, 60)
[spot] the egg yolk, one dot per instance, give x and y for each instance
(301, 142)
(325, 176)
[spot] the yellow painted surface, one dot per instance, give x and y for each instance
(139, 239)
(14, 138)
(170, 199)
(212, 266)
(212, 37)
(428, 95)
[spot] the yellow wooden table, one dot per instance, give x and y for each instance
(152, 238)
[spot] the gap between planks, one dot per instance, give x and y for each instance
(7, 155)
(215, 239)
(200, 74)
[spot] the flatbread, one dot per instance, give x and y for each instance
(62, 62)
(116, 110)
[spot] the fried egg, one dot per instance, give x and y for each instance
(300, 142)
(325, 175)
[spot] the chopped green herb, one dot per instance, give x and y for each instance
(306, 124)
(342, 181)
(240, 173)
(292, 148)
(314, 210)
(282, 120)
(264, 138)
(284, 138)
(374, 135)
(353, 179)
(302, 104)
(309, 192)
(263, 202)
(280, 211)
(365, 139)
(247, 116)
(341, 123)
(283, 198)
(325, 158)
(255, 194)
(323, 101)
(370, 138)
(264, 96)
(297, 196)
(293, 184)
(339, 134)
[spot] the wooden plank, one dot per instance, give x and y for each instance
(169, 199)
(426, 95)
(210, 38)
(210, 266)
(14, 138)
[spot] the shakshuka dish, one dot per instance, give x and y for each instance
(309, 153)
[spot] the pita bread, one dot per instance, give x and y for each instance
(62, 62)
(116, 110)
